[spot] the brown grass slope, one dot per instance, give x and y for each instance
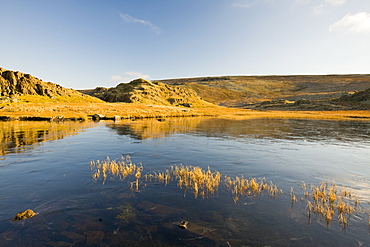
(23, 96)
(19, 87)
(151, 92)
(242, 91)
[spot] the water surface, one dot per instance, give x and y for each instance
(46, 168)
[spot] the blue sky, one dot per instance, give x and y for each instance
(88, 43)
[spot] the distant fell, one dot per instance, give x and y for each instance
(16, 86)
(360, 96)
(151, 92)
(242, 91)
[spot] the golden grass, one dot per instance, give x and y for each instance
(121, 168)
(203, 182)
(58, 99)
(246, 187)
(236, 90)
(126, 110)
(328, 201)
(189, 178)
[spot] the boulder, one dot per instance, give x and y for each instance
(24, 215)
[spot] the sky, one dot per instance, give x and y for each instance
(84, 44)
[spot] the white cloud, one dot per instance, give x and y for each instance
(336, 2)
(129, 76)
(116, 78)
(318, 10)
(242, 4)
(138, 75)
(128, 18)
(357, 23)
(249, 3)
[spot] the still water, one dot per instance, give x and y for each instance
(46, 167)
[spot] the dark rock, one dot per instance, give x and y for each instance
(185, 104)
(184, 224)
(357, 96)
(302, 101)
(97, 117)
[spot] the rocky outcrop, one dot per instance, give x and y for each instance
(357, 96)
(14, 83)
(150, 92)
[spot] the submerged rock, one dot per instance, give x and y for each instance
(24, 215)
(184, 224)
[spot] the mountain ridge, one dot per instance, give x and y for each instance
(151, 92)
(288, 92)
(241, 91)
(16, 86)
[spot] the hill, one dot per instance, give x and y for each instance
(261, 91)
(151, 92)
(19, 87)
(301, 92)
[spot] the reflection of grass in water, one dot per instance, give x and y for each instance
(325, 200)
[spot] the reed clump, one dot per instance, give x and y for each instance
(116, 168)
(328, 201)
(246, 187)
(189, 178)
(202, 182)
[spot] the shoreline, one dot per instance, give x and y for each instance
(121, 111)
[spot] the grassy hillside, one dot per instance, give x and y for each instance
(241, 91)
(23, 96)
(17, 87)
(151, 92)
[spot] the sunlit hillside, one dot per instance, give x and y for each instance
(244, 90)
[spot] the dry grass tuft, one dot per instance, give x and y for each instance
(246, 187)
(328, 201)
(121, 168)
(203, 183)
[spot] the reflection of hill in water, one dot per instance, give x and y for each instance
(251, 128)
(153, 128)
(18, 136)
(286, 129)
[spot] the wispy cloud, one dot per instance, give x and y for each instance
(129, 18)
(332, 2)
(242, 4)
(318, 10)
(353, 23)
(336, 2)
(129, 76)
(249, 3)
